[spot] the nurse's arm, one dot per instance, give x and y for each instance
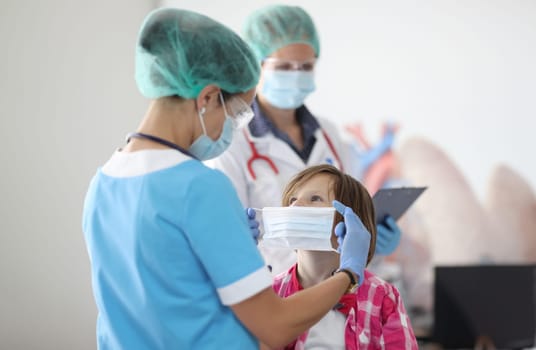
(277, 321)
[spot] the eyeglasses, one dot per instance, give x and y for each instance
(287, 65)
(238, 111)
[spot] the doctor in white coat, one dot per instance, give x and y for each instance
(284, 137)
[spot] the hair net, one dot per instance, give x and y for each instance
(272, 27)
(180, 52)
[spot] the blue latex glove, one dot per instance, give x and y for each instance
(354, 240)
(388, 236)
(253, 223)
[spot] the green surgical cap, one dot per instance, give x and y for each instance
(180, 52)
(273, 27)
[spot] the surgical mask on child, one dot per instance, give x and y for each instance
(287, 89)
(307, 228)
(204, 147)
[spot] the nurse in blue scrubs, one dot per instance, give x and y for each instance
(173, 262)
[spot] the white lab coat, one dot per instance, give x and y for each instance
(268, 187)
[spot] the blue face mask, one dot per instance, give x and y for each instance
(205, 148)
(287, 89)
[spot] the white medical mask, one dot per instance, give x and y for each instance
(204, 147)
(307, 228)
(287, 89)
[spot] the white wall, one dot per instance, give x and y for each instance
(67, 97)
(461, 73)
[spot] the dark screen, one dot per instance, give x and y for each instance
(496, 301)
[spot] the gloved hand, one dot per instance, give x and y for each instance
(253, 223)
(354, 241)
(388, 236)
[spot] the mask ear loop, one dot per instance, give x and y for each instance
(201, 115)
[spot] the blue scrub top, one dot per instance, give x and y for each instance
(170, 247)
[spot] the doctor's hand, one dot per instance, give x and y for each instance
(388, 236)
(354, 240)
(253, 223)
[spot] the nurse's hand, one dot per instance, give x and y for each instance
(253, 223)
(354, 241)
(388, 236)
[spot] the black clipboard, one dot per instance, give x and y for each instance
(394, 201)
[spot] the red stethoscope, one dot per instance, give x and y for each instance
(255, 155)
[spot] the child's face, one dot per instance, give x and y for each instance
(315, 192)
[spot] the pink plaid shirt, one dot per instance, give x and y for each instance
(376, 317)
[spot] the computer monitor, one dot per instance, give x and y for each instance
(493, 302)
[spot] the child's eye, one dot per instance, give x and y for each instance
(316, 199)
(291, 200)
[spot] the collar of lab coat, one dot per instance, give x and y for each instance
(261, 126)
